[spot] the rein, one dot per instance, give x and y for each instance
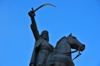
(72, 52)
(75, 51)
(78, 55)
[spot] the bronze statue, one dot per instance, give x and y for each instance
(44, 54)
(42, 47)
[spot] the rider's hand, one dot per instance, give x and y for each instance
(31, 13)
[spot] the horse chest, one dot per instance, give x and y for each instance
(64, 47)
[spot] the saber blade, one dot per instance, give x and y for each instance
(44, 5)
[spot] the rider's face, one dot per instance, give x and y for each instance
(45, 36)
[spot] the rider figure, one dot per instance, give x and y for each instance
(42, 47)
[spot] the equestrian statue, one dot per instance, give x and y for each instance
(44, 54)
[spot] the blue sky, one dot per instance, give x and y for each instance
(79, 17)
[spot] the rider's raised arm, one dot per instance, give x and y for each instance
(34, 26)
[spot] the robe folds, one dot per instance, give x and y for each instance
(40, 53)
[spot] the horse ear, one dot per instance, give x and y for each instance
(70, 34)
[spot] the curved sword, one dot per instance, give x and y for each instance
(43, 5)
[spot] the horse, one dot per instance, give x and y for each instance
(61, 56)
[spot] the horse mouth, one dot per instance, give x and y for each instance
(82, 48)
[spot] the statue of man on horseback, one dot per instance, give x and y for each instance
(44, 54)
(42, 47)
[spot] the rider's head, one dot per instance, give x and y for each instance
(45, 35)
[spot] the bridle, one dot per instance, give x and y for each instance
(78, 50)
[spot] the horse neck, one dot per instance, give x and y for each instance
(63, 46)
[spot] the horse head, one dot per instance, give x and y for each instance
(74, 43)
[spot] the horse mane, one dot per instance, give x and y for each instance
(59, 41)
